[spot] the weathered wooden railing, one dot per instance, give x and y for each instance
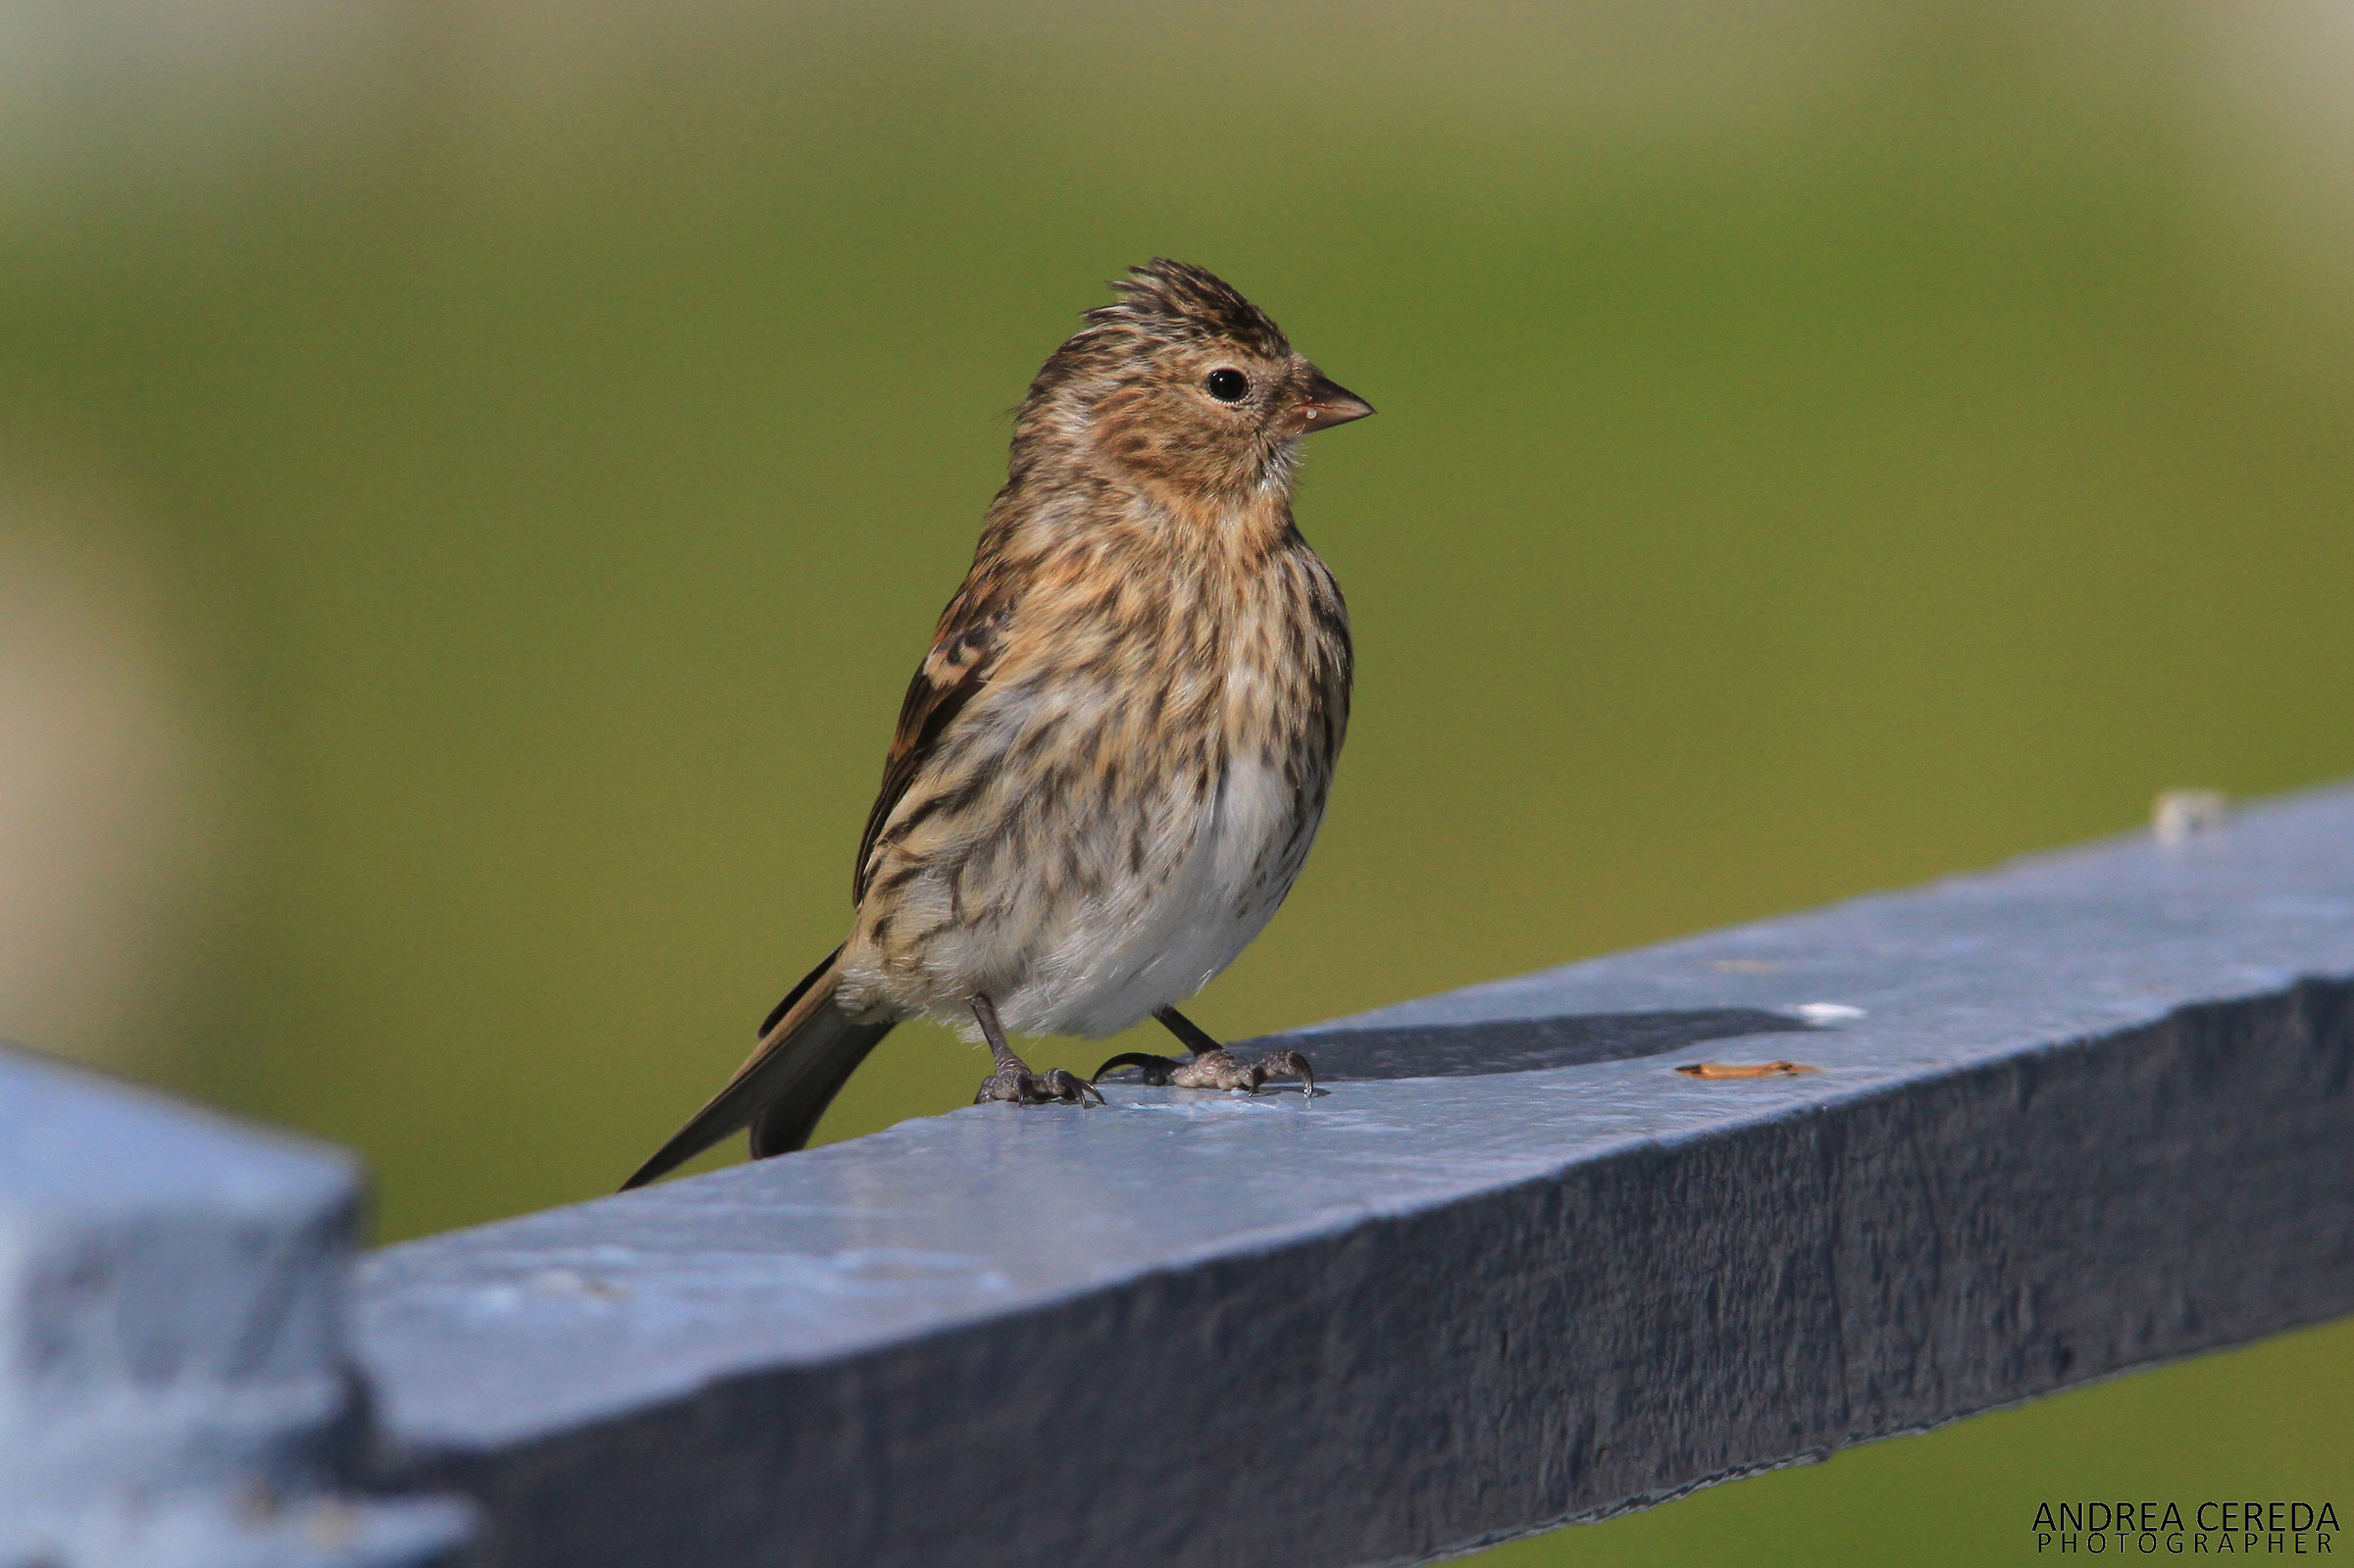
(2082, 1114)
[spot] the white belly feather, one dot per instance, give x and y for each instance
(1111, 967)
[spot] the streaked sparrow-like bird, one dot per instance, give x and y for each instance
(1109, 768)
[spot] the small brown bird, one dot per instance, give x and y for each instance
(1109, 768)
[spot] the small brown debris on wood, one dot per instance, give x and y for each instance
(1715, 1070)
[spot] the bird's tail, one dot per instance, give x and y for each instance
(808, 1050)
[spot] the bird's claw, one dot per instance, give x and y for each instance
(1018, 1086)
(1070, 1087)
(1217, 1069)
(1285, 1064)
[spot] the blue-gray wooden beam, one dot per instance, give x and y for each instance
(176, 1386)
(2086, 1113)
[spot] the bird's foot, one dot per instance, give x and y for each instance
(1216, 1068)
(1015, 1082)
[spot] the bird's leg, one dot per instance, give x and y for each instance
(1013, 1080)
(1211, 1066)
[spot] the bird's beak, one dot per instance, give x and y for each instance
(1329, 403)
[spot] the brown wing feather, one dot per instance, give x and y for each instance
(808, 1045)
(964, 651)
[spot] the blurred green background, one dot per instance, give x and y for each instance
(501, 464)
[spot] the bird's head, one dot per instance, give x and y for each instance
(1182, 382)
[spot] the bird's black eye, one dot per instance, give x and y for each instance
(1227, 385)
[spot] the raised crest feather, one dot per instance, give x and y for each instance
(1168, 298)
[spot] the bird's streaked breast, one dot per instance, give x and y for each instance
(1132, 796)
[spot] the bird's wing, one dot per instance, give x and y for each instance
(964, 651)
